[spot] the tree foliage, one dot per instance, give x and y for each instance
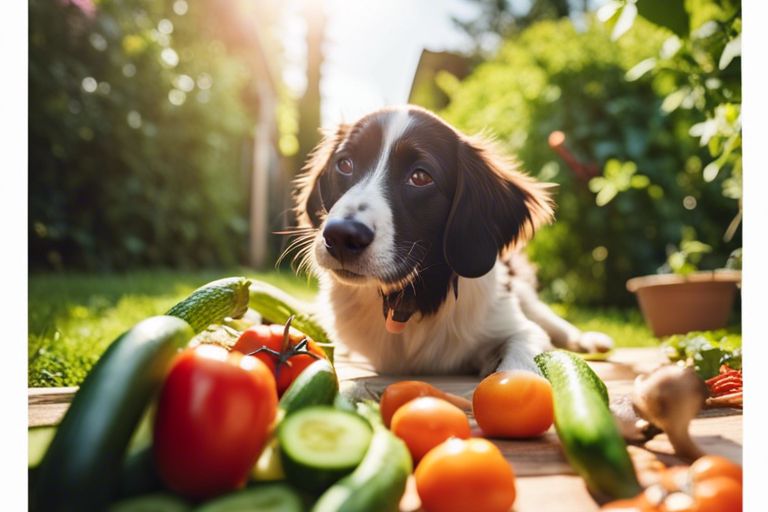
(647, 185)
(139, 137)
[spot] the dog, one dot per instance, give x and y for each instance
(416, 233)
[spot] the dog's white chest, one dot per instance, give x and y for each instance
(457, 338)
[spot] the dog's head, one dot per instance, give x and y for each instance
(402, 199)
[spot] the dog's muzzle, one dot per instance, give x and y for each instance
(346, 238)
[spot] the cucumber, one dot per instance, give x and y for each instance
(157, 502)
(262, 498)
(586, 428)
(316, 385)
(81, 468)
(320, 444)
(213, 302)
(277, 307)
(378, 483)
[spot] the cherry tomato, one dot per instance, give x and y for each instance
(462, 475)
(399, 393)
(513, 404)
(213, 417)
(709, 466)
(286, 357)
(717, 494)
(425, 422)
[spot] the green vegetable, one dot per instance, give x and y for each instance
(157, 502)
(586, 428)
(316, 385)
(81, 468)
(378, 483)
(320, 444)
(213, 302)
(263, 498)
(277, 307)
(706, 351)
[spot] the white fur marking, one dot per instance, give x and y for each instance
(378, 258)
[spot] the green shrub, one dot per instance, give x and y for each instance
(554, 76)
(137, 130)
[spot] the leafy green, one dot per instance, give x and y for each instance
(705, 350)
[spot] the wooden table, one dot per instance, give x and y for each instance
(545, 481)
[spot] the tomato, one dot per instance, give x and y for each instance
(636, 504)
(399, 393)
(513, 404)
(285, 351)
(709, 466)
(425, 422)
(717, 494)
(461, 475)
(213, 418)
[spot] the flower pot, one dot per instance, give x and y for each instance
(674, 304)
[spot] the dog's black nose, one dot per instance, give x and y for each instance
(346, 237)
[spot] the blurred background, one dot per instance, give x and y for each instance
(164, 136)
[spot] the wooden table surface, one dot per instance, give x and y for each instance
(545, 481)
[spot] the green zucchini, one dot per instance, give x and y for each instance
(316, 385)
(378, 483)
(156, 502)
(261, 498)
(213, 302)
(320, 444)
(277, 307)
(586, 428)
(81, 468)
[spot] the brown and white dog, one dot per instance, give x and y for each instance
(413, 230)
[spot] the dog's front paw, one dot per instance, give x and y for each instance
(592, 342)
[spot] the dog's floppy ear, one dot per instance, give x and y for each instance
(494, 205)
(308, 199)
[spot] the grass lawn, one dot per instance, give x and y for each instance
(74, 317)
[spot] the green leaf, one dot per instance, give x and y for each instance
(670, 14)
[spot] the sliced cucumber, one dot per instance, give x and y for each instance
(158, 502)
(320, 444)
(263, 498)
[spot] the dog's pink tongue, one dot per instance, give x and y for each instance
(392, 325)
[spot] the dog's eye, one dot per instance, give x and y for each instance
(419, 178)
(345, 166)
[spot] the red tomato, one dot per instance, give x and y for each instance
(425, 422)
(717, 494)
(463, 475)
(710, 466)
(213, 417)
(287, 358)
(513, 404)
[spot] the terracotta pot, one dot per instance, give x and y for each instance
(673, 304)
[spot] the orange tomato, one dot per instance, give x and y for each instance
(513, 404)
(462, 475)
(636, 504)
(425, 422)
(674, 478)
(717, 494)
(709, 466)
(397, 394)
